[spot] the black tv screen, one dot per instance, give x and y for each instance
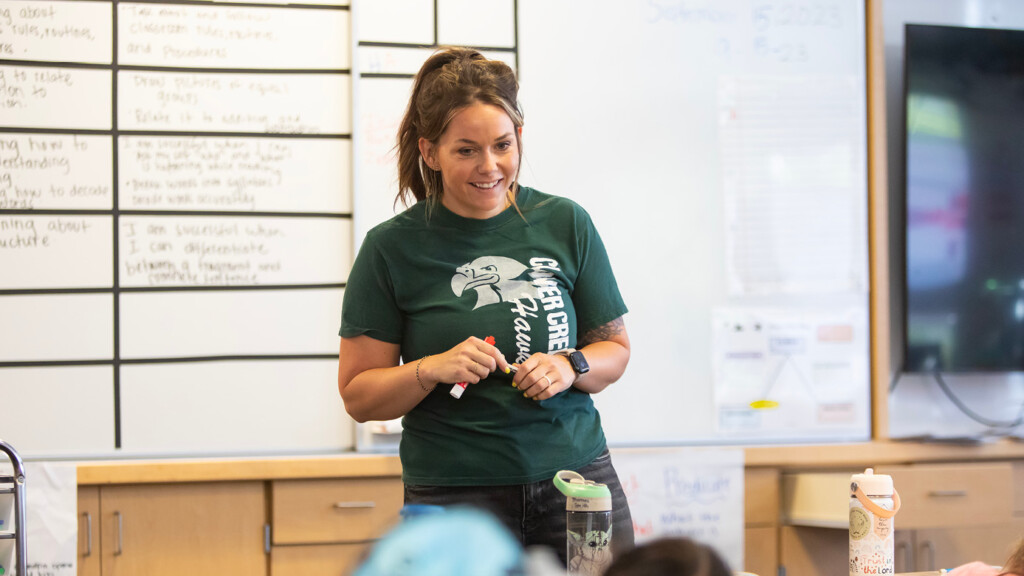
(964, 233)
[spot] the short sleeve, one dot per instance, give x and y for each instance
(596, 294)
(369, 307)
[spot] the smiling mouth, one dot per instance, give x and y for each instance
(486, 186)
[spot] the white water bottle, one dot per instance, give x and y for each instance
(873, 504)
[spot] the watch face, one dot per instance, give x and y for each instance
(579, 363)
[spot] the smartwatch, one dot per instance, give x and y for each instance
(576, 360)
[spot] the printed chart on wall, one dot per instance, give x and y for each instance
(776, 370)
(175, 225)
(389, 53)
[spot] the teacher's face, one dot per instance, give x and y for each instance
(478, 156)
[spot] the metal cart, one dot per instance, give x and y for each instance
(17, 487)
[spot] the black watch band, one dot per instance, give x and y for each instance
(576, 359)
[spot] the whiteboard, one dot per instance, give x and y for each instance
(176, 197)
(251, 174)
(721, 149)
(37, 327)
(219, 37)
(79, 423)
(286, 406)
(56, 251)
(47, 97)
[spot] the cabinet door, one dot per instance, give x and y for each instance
(806, 551)
(903, 550)
(760, 553)
(941, 495)
(761, 516)
(937, 548)
(317, 560)
(89, 531)
(203, 529)
(334, 511)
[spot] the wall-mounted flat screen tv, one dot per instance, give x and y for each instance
(964, 226)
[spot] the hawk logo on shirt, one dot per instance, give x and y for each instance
(493, 278)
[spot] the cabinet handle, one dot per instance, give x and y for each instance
(908, 563)
(930, 549)
(947, 493)
(348, 505)
(120, 534)
(88, 534)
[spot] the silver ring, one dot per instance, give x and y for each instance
(550, 383)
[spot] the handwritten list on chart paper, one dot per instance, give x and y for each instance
(692, 493)
(172, 178)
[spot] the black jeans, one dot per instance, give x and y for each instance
(535, 513)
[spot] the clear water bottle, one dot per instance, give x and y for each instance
(873, 504)
(588, 524)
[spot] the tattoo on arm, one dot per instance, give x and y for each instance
(603, 332)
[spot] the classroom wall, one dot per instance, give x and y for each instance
(720, 147)
(917, 406)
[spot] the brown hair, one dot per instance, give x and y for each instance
(1015, 563)
(448, 81)
(671, 556)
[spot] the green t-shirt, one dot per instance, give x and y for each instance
(428, 283)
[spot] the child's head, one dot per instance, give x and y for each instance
(1014, 565)
(669, 557)
(454, 542)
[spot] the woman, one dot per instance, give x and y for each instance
(479, 256)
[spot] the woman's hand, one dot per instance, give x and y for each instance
(606, 348)
(542, 376)
(470, 361)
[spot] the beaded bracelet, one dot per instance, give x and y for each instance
(420, 382)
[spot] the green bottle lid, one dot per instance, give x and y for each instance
(583, 495)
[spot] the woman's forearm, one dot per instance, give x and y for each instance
(608, 360)
(606, 349)
(384, 393)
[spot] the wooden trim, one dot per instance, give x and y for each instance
(872, 454)
(801, 456)
(155, 471)
(878, 223)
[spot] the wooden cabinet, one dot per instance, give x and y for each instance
(169, 529)
(951, 514)
(813, 551)
(325, 513)
(761, 519)
(942, 495)
(88, 531)
(930, 549)
(325, 527)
